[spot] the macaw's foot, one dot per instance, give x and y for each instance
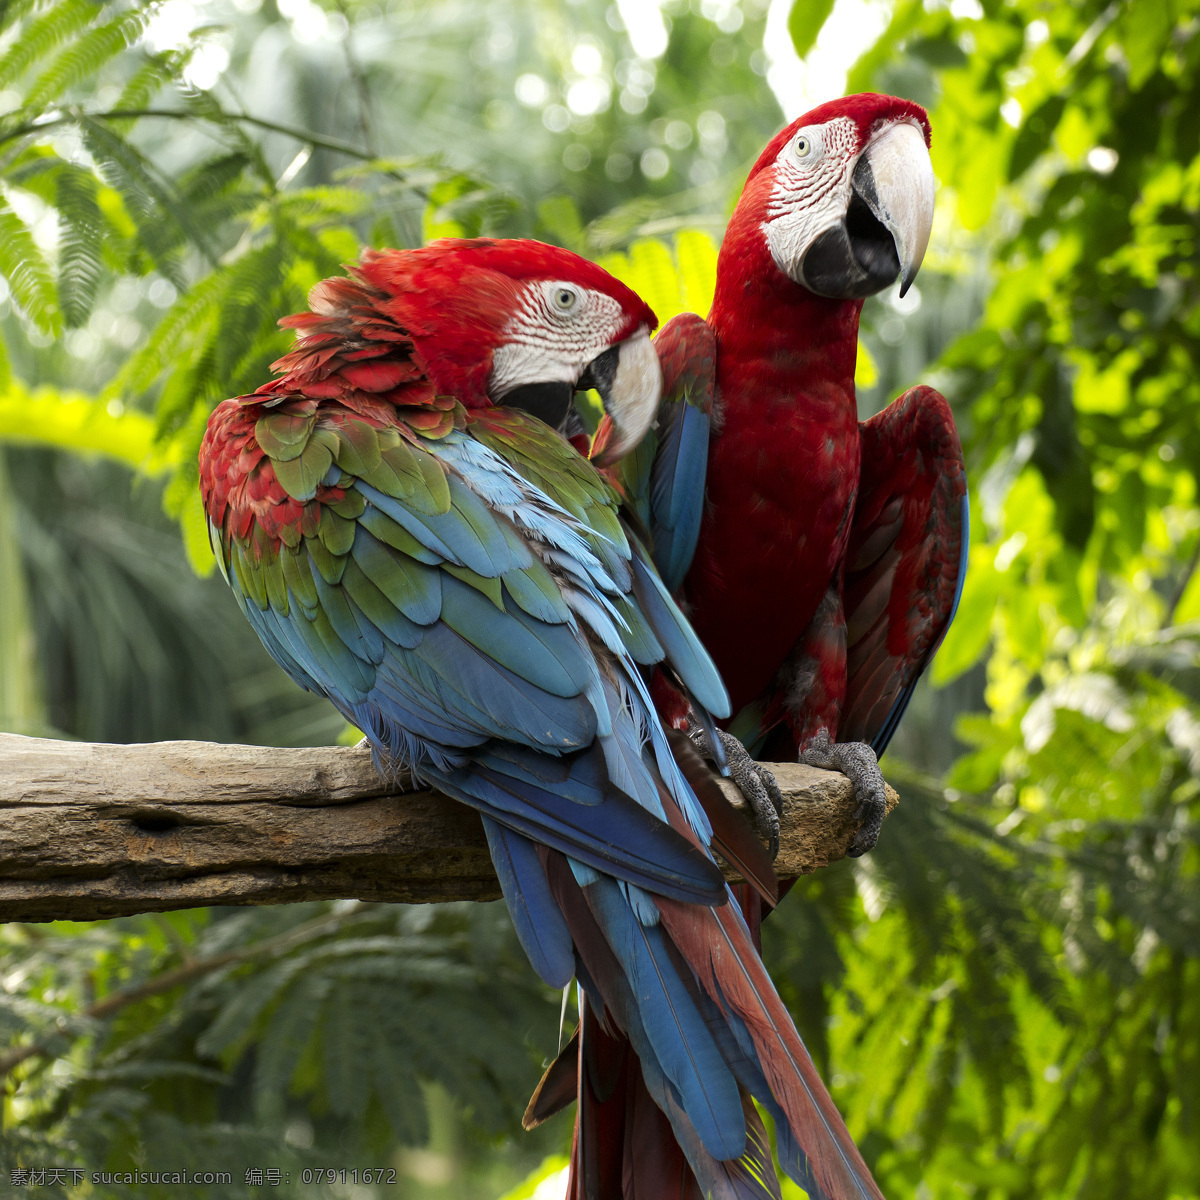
(754, 781)
(857, 761)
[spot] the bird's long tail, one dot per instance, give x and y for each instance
(671, 968)
(813, 1144)
(681, 1033)
(624, 1146)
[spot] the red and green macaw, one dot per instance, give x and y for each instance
(411, 537)
(819, 558)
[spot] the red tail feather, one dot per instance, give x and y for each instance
(715, 943)
(752, 912)
(624, 1148)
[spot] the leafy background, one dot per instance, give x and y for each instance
(1004, 996)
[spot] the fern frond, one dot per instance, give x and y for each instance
(205, 106)
(191, 390)
(82, 227)
(156, 73)
(291, 1029)
(160, 217)
(25, 268)
(179, 326)
(212, 177)
(86, 55)
(325, 201)
(43, 35)
(13, 10)
(249, 300)
(33, 169)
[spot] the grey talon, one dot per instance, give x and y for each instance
(753, 780)
(857, 761)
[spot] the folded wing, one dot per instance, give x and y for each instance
(905, 562)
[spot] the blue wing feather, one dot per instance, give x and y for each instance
(664, 478)
(677, 489)
(683, 649)
(616, 836)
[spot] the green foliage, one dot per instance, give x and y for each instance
(26, 271)
(1003, 994)
(238, 245)
(70, 421)
(804, 22)
(278, 1028)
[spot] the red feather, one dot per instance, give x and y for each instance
(716, 945)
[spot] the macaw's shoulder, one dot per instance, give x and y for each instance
(352, 395)
(687, 353)
(663, 480)
(265, 457)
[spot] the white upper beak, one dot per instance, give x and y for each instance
(630, 395)
(904, 187)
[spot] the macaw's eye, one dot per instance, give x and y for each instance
(565, 299)
(803, 147)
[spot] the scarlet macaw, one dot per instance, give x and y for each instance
(410, 541)
(820, 559)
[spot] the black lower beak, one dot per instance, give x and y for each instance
(600, 373)
(628, 378)
(549, 402)
(858, 256)
(554, 403)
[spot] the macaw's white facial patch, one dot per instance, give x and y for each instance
(812, 190)
(558, 328)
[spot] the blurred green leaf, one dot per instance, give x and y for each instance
(805, 19)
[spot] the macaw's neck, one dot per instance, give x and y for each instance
(779, 344)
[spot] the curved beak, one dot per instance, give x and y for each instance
(629, 379)
(885, 231)
(894, 178)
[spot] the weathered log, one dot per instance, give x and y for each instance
(90, 831)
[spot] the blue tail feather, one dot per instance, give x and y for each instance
(680, 1036)
(539, 923)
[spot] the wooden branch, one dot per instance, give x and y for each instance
(90, 831)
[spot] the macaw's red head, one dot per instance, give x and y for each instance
(844, 196)
(522, 324)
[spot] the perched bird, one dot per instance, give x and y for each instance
(819, 558)
(411, 537)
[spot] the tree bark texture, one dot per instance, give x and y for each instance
(90, 830)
